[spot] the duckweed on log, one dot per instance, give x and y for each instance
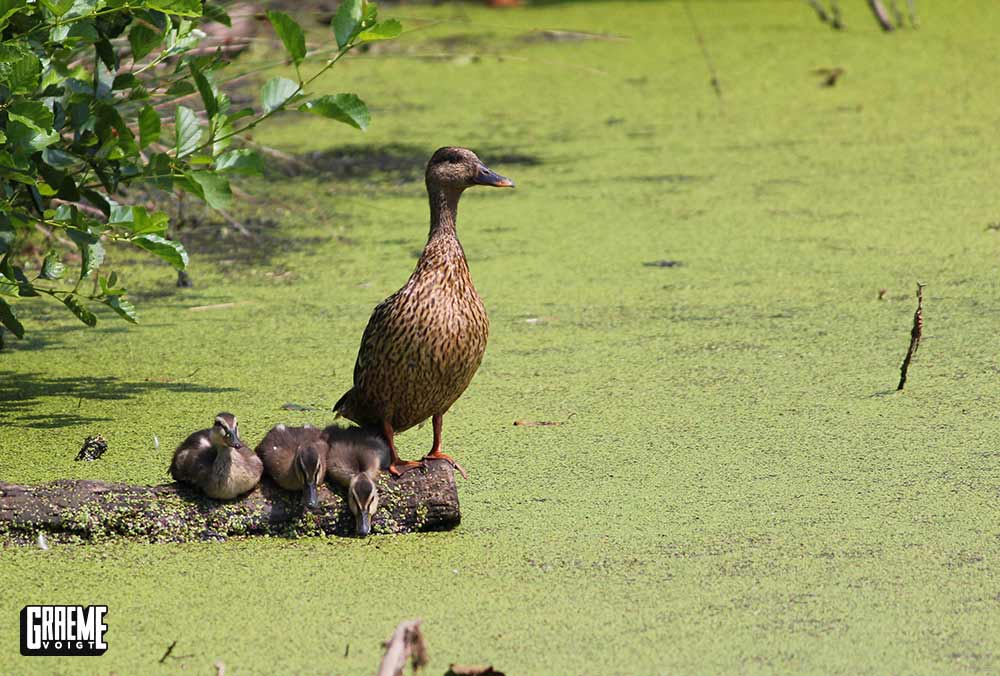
(88, 511)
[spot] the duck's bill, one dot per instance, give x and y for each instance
(310, 496)
(487, 176)
(364, 524)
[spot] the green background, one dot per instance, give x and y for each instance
(735, 485)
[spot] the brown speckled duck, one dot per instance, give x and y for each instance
(216, 461)
(295, 457)
(423, 344)
(355, 458)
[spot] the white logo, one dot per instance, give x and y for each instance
(63, 630)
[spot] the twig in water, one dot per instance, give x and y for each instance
(170, 649)
(704, 51)
(881, 15)
(896, 14)
(833, 18)
(915, 334)
(407, 642)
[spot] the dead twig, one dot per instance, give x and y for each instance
(833, 18)
(704, 51)
(170, 649)
(537, 423)
(915, 334)
(830, 76)
(406, 643)
(881, 15)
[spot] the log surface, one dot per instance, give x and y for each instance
(86, 511)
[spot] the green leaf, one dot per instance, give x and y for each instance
(277, 91)
(214, 12)
(52, 268)
(91, 250)
(32, 113)
(123, 307)
(107, 54)
(20, 69)
(347, 108)
(7, 234)
(60, 158)
(206, 90)
(81, 312)
(242, 161)
(27, 137)
(177, 7)
(171, 252)
(143, 39)
(125, 81)
(187, 132)
(290, 33)
(215, 188)
(149, 126)
(8, 319)
(144, 223)
(58, 7)
(180, 88)
(346, 21)
(138, 220)
(387, 30)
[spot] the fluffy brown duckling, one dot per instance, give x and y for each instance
(423, 344)
(355, 458)
(295, 457)
(216, 461)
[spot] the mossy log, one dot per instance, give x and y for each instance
(86, 511)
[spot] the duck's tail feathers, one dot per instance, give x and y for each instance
(343, 406)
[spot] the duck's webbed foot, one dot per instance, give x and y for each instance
(398, 468)
(438, 455)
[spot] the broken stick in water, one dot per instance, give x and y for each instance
(915, 334)
(406, 643)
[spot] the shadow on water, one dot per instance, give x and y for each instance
(20, 394)
(395, 162)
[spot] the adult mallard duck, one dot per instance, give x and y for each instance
(216, 461)
(423, 344)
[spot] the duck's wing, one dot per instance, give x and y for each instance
(375, 353)
(193, 458)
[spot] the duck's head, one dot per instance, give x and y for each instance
(460, 168)
(362, 497)
(310, 466)
(225, 432)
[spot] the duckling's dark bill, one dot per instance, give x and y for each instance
(487, 176)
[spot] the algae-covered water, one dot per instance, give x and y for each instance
(734, 486)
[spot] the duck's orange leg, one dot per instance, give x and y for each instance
(436, 453)
(397, 466)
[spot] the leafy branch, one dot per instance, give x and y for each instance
(83, 85)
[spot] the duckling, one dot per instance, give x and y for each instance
(295, 457)
(354, 460)
(424, 343)
(216, 461)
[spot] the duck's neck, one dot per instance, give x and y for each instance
(444, 212)
(223, 459)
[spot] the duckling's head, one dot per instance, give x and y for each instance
(310, 466)
(362, 497)
(225, 432)
(460, 168)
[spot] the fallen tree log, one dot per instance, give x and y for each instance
(86, 511)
